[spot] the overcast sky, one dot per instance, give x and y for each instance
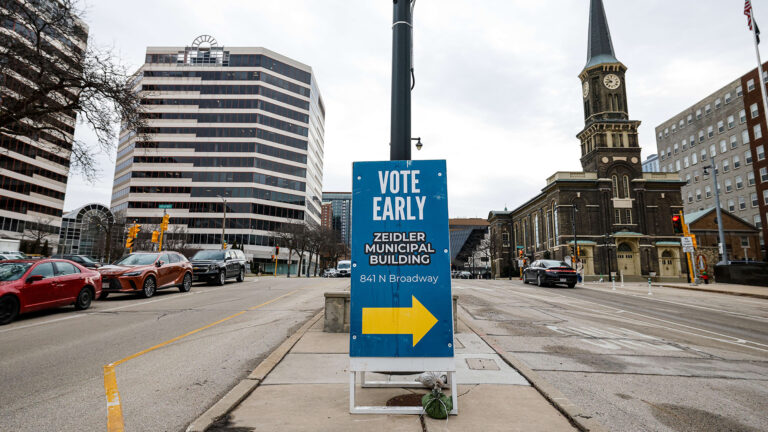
(497, 89)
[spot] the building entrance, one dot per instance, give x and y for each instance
(626, 260)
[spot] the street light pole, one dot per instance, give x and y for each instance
(720, 230)
(575, 239)
(224, 222)
(402, 36)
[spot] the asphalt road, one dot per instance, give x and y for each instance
(52, 377)
(673, 361)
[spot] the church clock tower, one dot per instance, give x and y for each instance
(609, 136)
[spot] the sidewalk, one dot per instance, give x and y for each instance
(738, 290)
(309, 391)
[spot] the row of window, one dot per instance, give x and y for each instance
(695, 158)
(231, 90)
(707, 111)
(232, 76)
(244, 192)
(231, 147)
(226, 177)
(232, 223)
(233, 104)
(230, 133)
(224, 162)
(218, 207)
(19, 206)
(675, 148)
(30, 151)
(26, 188)
(230, 118)
(244, 60)
(29, 170)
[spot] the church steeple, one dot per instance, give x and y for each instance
(600, 48)
(609, 136)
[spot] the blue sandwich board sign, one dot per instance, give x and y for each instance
(401, 304)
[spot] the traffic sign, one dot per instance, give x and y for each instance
(401, 304)
(165, 206)
(687, 243)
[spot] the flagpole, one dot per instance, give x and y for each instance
(759, 64)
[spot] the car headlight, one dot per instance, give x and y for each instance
(134, 273)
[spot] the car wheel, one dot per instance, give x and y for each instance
(149, 288)
(241, 275)
(222, 278)
(103, 295)
(84, 299)
(186, 285)
(9, 309)
(525, 279)
(538, 281)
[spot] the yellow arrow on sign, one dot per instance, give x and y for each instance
(415, 320)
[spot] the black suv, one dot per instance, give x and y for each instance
(83, 260)
(216, 266)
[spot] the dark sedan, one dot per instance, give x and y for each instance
(550, 272)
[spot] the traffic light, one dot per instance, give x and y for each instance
(277, 250)
(155, 236)
(677, 224)
(224, 246)
(164, 223)
(129, 243)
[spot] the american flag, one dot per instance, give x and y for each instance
(748, 12)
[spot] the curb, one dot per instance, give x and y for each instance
(572, 412)
(245, 387)
(734, 293)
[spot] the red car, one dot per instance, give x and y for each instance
(146, 272)
(27, 286)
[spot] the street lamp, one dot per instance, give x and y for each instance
(223, 223)
(419, 145)
(575, 239)
(720, 230)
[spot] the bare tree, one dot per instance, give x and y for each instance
(38, 234)
(47, 74)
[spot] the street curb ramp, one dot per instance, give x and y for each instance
(578, 418)
(245, 387)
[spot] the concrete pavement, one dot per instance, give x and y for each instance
(52, 362)
(672, 361)
(732, 289)
(309, 391)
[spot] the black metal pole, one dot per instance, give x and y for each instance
(400, 137)
(575, 240)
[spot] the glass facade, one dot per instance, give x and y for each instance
(244, 125)
(341, 214)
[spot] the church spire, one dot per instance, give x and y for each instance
(600, 48)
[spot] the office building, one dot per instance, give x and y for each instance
(341, 203)
(326, 220)
(227, 126)
(34, 172)
(652, 164)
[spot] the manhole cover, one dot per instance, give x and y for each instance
(482, 364)
(407, 400)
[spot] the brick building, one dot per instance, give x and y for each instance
(619, 216)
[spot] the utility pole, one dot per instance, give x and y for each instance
(720, 230)
(224, 223)
(575, 239)
(402, 37)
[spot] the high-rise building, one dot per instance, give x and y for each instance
(342, 214)
(725, 127)
(34, 172)
(651, 164)
(326, 220)
(615, 217)
(227, 126)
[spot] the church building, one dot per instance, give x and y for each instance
(619, 216)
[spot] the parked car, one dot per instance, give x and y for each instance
(465, 275)
(550, 272)
(330, 273)
(83, 260)
(344, 269)
(20, 255)
(216, 266)
(146, 272)
(27, 286)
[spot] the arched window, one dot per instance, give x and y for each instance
(624, 247)
(626, 186)
(615, 187)
(536, 230)
(547, 217)
(555, 227)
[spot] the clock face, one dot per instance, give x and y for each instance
(612, 81)
(585, 89)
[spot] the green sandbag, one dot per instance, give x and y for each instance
(433, 407)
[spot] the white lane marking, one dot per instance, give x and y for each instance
(663, 326)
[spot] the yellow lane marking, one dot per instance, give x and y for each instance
(114, 409)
